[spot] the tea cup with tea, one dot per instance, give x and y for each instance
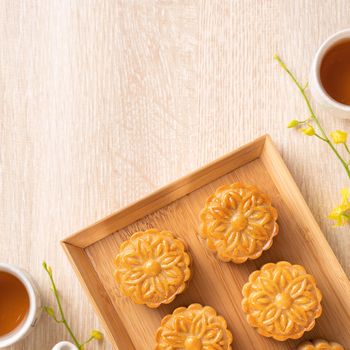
(20, 304)
(330, 74)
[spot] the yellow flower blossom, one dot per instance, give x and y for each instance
(339, 136)
(341, 214)
(96, 335)
(309, 131)
(293, 123)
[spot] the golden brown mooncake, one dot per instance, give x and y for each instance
(282, 301)
(238, 222)
(193, 328)
(152, 267)
(319, 345)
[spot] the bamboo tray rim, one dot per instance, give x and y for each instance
(76, 244)
(74, 239)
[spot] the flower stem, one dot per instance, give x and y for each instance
(312, 114)
(86, 342)
(63, 318)
(320, 137)
(347, 148)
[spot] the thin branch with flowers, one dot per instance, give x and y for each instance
(312, 126)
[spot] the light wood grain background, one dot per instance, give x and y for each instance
(104, 101)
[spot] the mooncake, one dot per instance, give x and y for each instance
(320, 345)
(193, 328)
(282, 301)
(238, 222)
(152, 267)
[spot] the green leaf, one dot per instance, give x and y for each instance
(50, 311)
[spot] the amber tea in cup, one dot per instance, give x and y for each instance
(335, 71)
(14, 303)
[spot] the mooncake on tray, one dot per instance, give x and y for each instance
(152, 267)
(238, 222)
(282, 301)
(320, 344)
(196, 327)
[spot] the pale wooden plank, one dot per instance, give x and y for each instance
(102, 102)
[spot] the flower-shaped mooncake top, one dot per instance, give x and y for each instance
(238, 222)
(152, 267)
(282, 301)
(320, 345)
(193, 328)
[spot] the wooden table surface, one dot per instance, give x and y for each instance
(104, 101)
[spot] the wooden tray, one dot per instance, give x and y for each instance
(176, 207)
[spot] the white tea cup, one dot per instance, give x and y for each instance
(34, 311)
(64, 345)
(317, 90)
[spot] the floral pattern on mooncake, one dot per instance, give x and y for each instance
(320, 345)
(238, 222)
(282, 301)
(193, 328)
(152, 267)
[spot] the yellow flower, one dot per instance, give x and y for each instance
(309, 131)
(339, 136)
(96, 335)
(293, 123)
(341, 213)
